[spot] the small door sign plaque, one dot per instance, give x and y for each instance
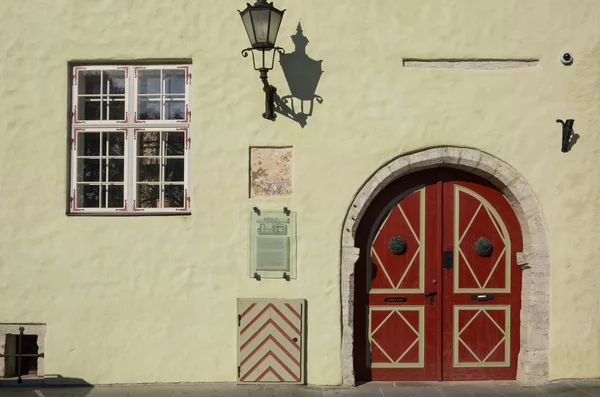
(395, 299)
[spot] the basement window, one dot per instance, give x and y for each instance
(29, 365)
(33, 343)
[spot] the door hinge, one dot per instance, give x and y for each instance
(239, 320)
(239, 372)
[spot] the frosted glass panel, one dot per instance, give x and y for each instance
(246, 19)
(273, 244)
(275, 22)
(261, 24)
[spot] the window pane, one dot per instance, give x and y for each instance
(115, 169)
(115, 142)
(149, 108)
(88, 170)
(115, 108)
(88, 82)
(88, 196)
(274, 26)
(174, 81)
(174, 170)
(114, 82)
(88, 144)
(175, 143)
(247, 21)
(148, 196)
(114, 195)
(148, 170)
(174, 196)
(88, 108)
(149, 82)
(174, 109)
(260, 18)
(148, 143)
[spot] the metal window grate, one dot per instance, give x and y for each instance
(19, 355)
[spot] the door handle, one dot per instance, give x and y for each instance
(430, 293)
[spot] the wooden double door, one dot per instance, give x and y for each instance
(437, 288)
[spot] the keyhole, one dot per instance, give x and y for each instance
(434, 281)
(295, 339)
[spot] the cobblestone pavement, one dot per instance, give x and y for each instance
(584, 388)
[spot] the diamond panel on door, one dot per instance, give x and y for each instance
(481, 336)
(396, 337)
(400, 271)
(476, 218)
(270, 341)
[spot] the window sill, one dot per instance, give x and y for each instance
(127, 214)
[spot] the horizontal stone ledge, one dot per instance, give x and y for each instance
(470, 64)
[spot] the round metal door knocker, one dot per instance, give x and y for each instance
(397, 245)
(483, 247)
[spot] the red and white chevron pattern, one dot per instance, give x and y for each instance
(268, 352)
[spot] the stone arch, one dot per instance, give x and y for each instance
(533, 356)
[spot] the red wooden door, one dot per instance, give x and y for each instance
(404, 310)
(482, 289)
(425, 320)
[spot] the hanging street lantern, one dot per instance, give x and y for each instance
(262, 22)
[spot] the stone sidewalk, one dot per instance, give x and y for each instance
(584, 388)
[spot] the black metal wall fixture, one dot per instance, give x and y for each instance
(397, 245)
(566, 59)
(262, 22)
(19, 355)
(568, 135)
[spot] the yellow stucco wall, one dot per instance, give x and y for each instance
(153, 299)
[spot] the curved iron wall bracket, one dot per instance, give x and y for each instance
(270, 91)
(567, 134)
(263, 69)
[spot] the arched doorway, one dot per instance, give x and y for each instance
(531, 350)
(437, 289)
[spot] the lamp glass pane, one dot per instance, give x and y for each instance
(275, 23)
(261, 24)
(246, 19)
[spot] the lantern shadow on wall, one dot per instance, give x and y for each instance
(302, 75)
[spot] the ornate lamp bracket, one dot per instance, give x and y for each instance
(269, 90)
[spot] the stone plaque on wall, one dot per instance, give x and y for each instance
(270, 172)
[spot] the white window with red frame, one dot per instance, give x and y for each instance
(130, 139)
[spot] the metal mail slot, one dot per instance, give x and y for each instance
(395, 299)
(482, 297)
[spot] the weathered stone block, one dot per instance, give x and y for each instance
(270, 172)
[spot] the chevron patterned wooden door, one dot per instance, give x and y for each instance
(271, 341)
